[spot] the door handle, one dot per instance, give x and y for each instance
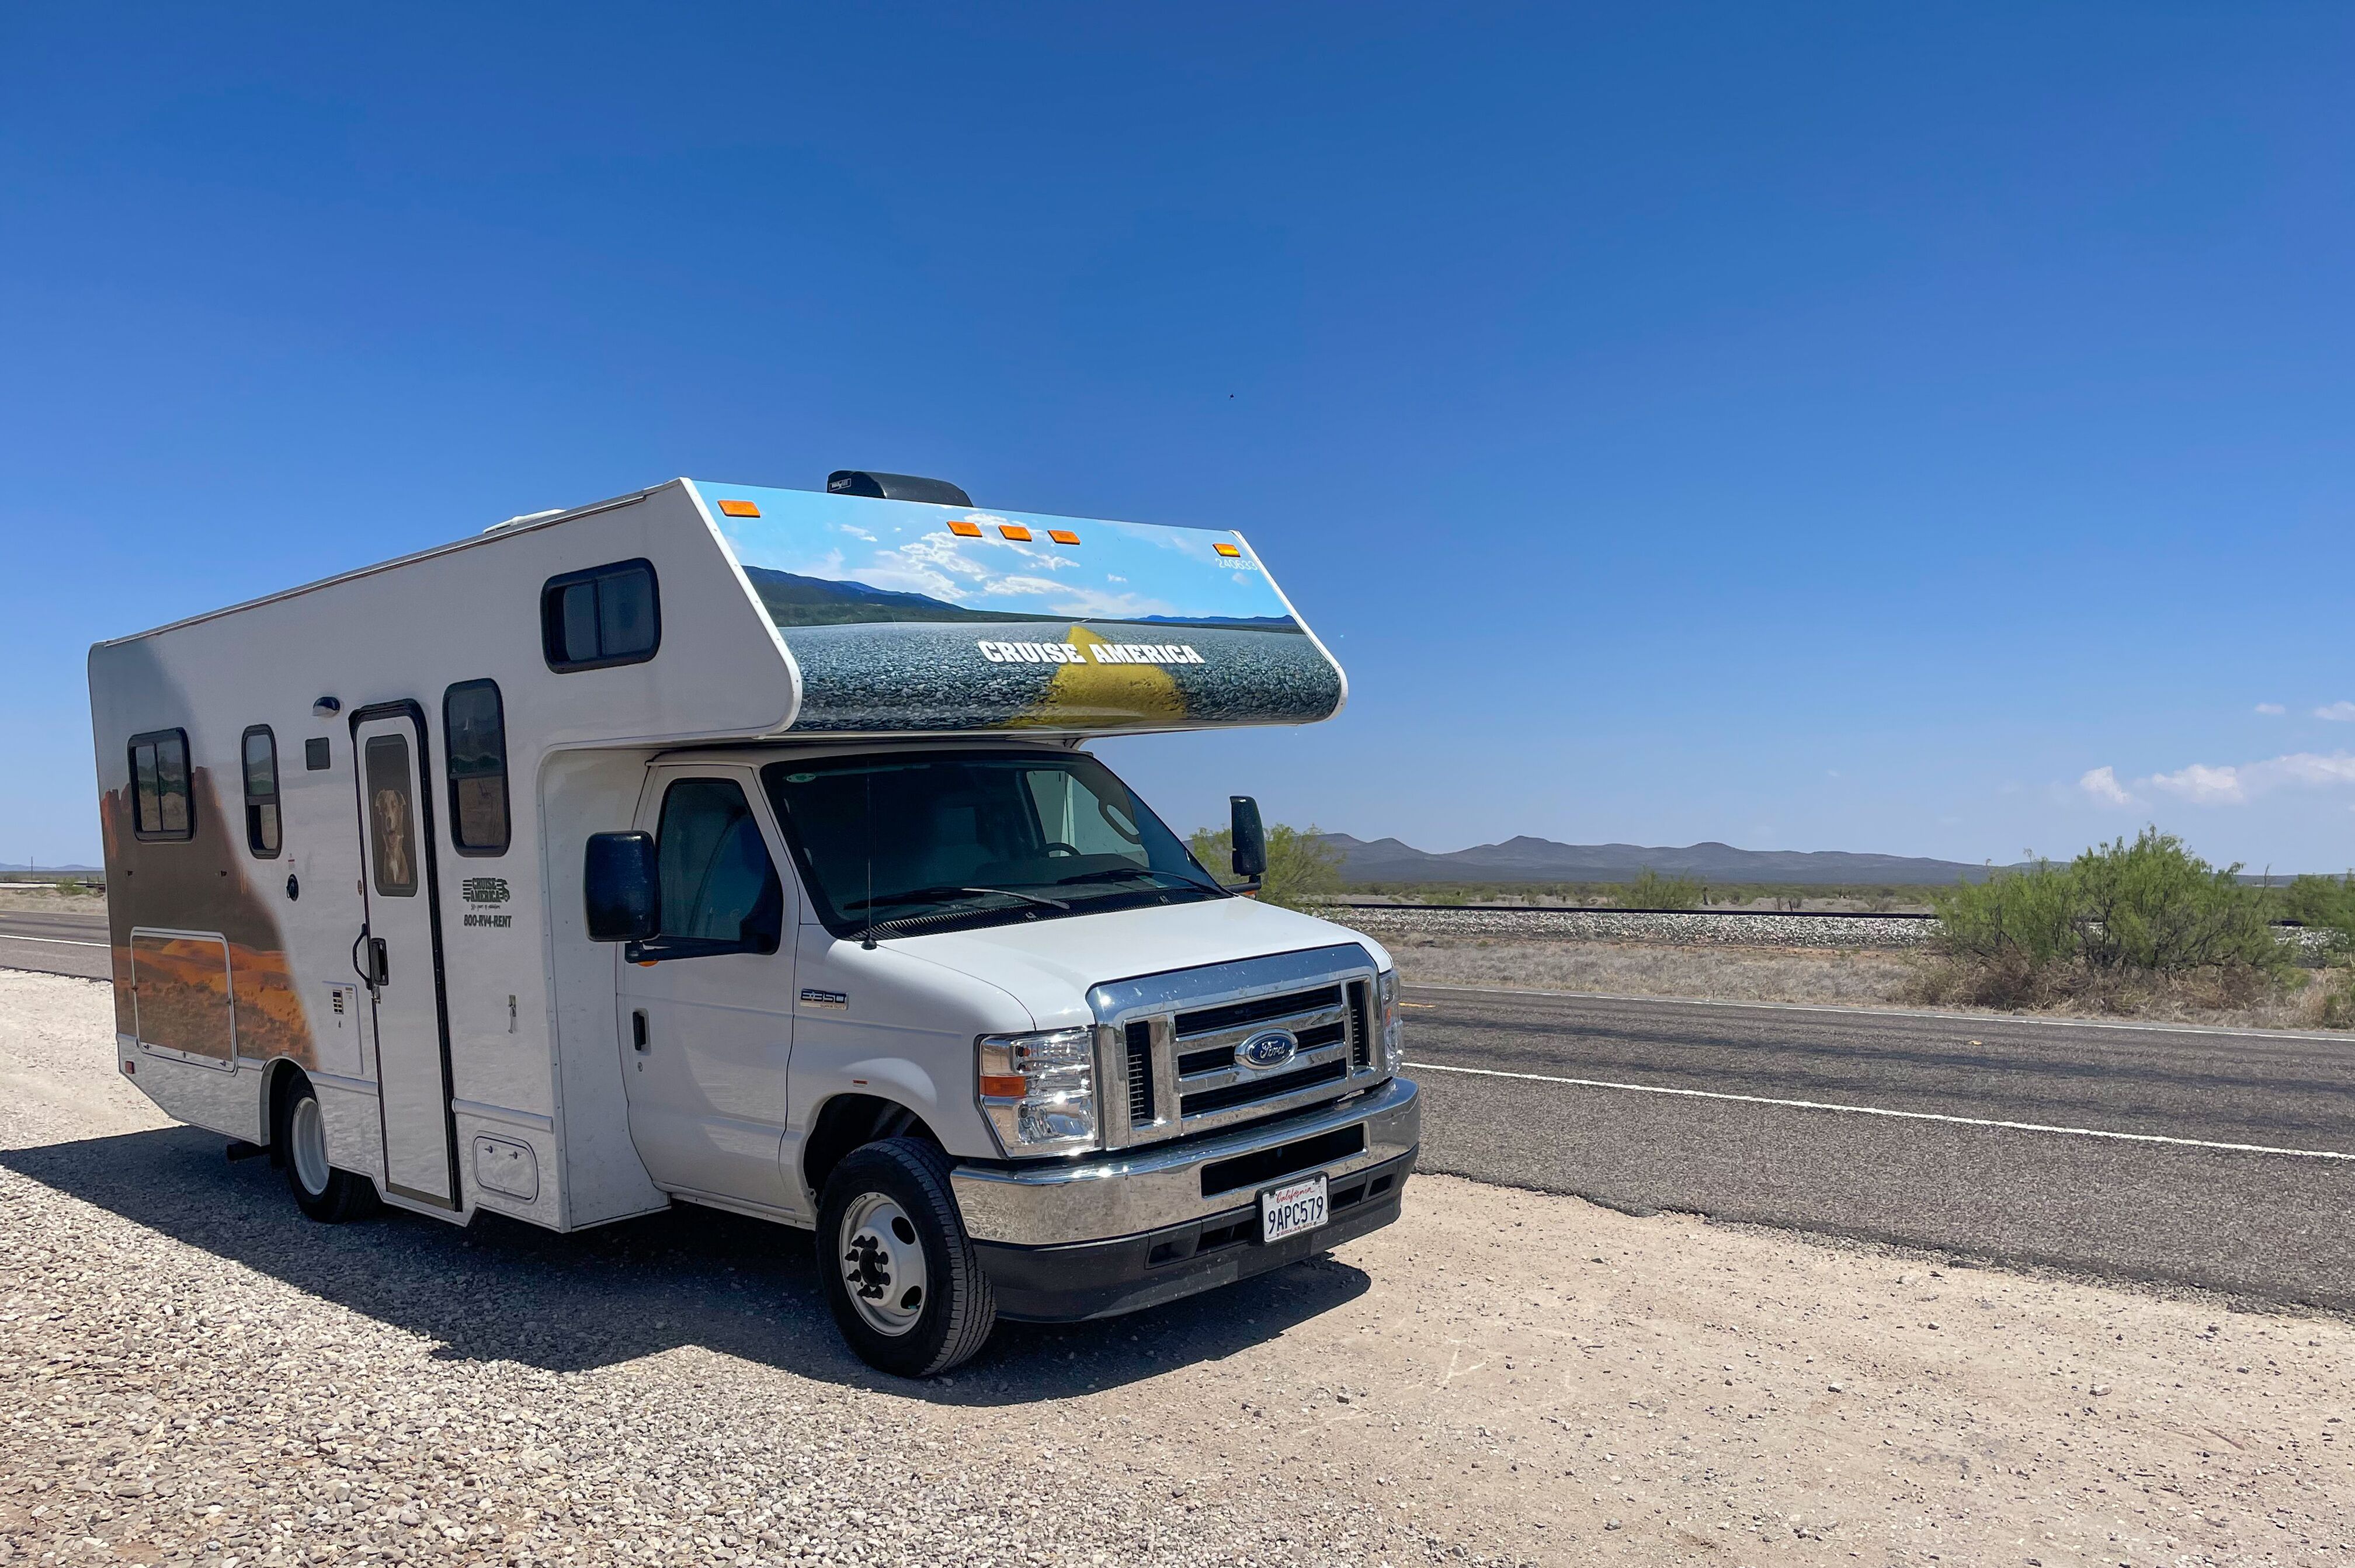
(638, 1029)
(377, 969)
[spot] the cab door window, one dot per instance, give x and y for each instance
(720, 892)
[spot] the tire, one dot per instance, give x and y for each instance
(323, 1192)
(888, 1229)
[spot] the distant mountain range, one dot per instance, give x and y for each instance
(792, 599)
(1528, 859)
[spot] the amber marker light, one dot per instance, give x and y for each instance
(965, 530)
(1230, 551)
(739, 509)
(1062, 536)
(1005, 1085)
(1014, 531)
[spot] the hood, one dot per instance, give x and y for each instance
(1050, 964)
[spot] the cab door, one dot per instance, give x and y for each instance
(705, 1003)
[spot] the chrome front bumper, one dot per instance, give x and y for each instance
(1102, 1197)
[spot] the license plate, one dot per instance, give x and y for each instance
(1294, 1207)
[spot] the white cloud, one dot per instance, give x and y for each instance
(2232, 784)
(2102, 784)
(2272, 710)
(2337, 712)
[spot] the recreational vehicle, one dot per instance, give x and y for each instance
(738, 845)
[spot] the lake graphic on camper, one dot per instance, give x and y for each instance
(911, 616)
(913, 676)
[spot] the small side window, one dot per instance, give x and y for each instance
(474, 738)
(160, 807)
(260, 757)
(606, 615)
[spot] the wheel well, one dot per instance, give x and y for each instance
(283, 1074)
(845, 1122)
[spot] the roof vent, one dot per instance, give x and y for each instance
(895, 487)
(525, 517)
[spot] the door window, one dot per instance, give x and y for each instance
(392, 816)
(260, 757)
(718, 885)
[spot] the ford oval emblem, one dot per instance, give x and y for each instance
(1268, 1048)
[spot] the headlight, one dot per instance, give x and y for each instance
(1038, 1091)
(1393, 1044)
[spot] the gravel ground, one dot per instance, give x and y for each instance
(1728, 929)
(190, 1373)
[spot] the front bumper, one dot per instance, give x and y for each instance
(1126, 1193)
(1104, 1279)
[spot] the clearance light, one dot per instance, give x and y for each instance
(1230, 551)
(1014, 531)
(1062, 536)
(739, 509)
(965, 530)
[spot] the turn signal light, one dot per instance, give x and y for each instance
(1005, 1085)
(739, 509)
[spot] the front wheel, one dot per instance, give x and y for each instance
(906, 1287)
(320, 1190)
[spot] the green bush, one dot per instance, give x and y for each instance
(1302, 868)
(2323, 903)
(2152, 907)
(1652, 891)
(2120, 915)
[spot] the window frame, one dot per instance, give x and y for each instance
(552, 647)
(449, 770)
(187, 785)
(277, 797)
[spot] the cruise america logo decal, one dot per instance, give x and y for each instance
(1102, 653)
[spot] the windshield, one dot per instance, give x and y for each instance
(923, 842)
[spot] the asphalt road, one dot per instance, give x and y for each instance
(2274, 1226)
(2197, 1191)
(54, 943)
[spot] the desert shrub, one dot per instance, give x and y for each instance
(1652, 891)
(2009, 941)
(2324, 904)
(2152, 907)
(1302, 868)
(2124, 922)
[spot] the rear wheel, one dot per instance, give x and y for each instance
(906, 1287)
(322, 1191)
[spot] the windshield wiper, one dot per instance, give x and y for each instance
(920, 895)
(1147, 872)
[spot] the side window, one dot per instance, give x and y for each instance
(474, 737)
(159, 786)
(717, 883)
(606, 615)
(392, 817)
(260, 749)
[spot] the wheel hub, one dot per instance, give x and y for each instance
(882, 1263)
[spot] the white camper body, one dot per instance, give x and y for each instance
(348, 833)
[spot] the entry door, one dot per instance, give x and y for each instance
(708, 1026)
(400, 954)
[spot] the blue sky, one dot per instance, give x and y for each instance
(1811, 427)
(1114, 570)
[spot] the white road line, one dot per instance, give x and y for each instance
(1879, 1111)
(51, 941)
(2032, 1021)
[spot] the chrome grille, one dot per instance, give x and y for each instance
(1169, 1041)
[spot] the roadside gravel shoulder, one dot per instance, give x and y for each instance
(191, 1373)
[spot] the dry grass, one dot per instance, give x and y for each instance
(1845, 977)
(26, 900)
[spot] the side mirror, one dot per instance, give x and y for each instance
(1249, 839)
(618, 883)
